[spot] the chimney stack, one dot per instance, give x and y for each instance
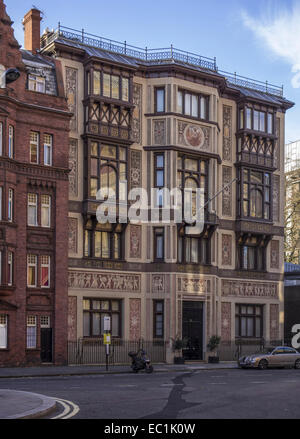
(32, 30)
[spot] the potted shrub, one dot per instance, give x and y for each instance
(178, 345)
(212, 346)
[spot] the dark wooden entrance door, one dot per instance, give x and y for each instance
(192, 330)
(46, 345)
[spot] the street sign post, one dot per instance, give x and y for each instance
(107, 337)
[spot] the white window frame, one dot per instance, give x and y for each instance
(11, 136)
(3, 331)
(10, 212)
(31, 203)
(46, 206)
(10, 265)
(36, 83)
(48, 147)
(32, 262)
(45, 322)
(31, 332)
(34, 141)
(45, 263)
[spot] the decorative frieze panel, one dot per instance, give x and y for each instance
(73, 235)
(274, 255)
(227, 133)
(135, 168)
(114, 282)
(227, 192)
(194, 136)
(137, 113)
(135, 319)
(73, 166)
(159, 132)
(226, 321)
(135, 241)
(277, 145)
(233, 288)
(191, 285)
(71, 93)
(226, 250)
(158, 283)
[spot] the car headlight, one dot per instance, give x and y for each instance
(253, 360)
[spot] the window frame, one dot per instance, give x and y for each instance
(249, 185)
(35, 143)
(48, 147)
(4, 328)
(156, 101)
(157, 313)
(199, 97)
(31, 339)
(239, 315)
(11, 141)
(90, 311)
(158, 232)
(32, 265)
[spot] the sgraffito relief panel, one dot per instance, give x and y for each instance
(191, 285)
(135, 241)
(73, 235)
(274, 254)
(159, 132)
(137, 113)
(130, 283)
(71, 93)
(226, 321)
(72, 318)
(194, 136)
(73, 166)
(227, 192)
(135, 168)
(226, 249)
(276, 198)
(135, 319)
(227, 132)
(232, 288)
(158, 283)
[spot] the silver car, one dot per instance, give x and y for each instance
(281, 356)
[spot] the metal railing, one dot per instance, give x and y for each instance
(92, 351)
(156, 55)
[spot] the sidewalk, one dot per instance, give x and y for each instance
(23, 405)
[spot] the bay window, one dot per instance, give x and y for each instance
(192, 104)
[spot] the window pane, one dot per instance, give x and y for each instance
(115, 92)
(256, 120)
(159, 247)
(125, 89)
(115, 305)
(97, 88)
(194, 252)
(250, 327)
(159, 161)
(187, 104)
(159, 178)
(115, 325)
(93, 187)
(160, 100)
(106, 85)
(248, 118)
(195, 106)
(179, 102)
(270, 123)
(96, 323)
(109, 151)
(262, 124)
(243, 327)
(203, 111)
(105, 245)
(86, 324)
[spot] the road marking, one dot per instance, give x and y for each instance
(217, 383)
(127, 385)
(70, 409)
(259, 382)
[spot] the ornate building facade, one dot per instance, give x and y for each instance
(34, 133)
(168, 119)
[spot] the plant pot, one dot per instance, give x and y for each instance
(213, 359)
(179, 360)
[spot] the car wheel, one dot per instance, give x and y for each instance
(297, 364)
(263, 364)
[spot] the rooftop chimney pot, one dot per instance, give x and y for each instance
(32, 30)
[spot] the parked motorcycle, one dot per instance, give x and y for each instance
(140, 361)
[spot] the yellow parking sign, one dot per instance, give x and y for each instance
(107, 339)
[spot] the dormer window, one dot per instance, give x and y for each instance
(36, 83)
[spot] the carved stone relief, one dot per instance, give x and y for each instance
(73, 235)
(137, 113)
(194, 136)
(73, 165)
(105, 281)
(192, 285)
(227, 132)
(249, 289)
(71, 93)
(274, 255)
(135, 319)
(276, 198)
(135, 168)
(158, 283)
(226, 249)
(274, 322)
(227, 192)
(159, 132)
(135, 241)
(226, 321)
(72, 318)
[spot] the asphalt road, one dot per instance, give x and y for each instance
(216, 394)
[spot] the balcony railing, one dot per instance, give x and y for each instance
(163, 55)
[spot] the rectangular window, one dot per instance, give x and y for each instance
(10, 268)
(48, 145)
(160, 100)
(159, 177)
(10, 211)
(34, 147)
(158, 319)
(36, 83)
(10, 141)
(31, 332)
(125, 89)
(94, 311)
(106, 85)
(249, 118)
(270, 123)
(32, 208)
(45, 322)
(45, 271)
(3, 331)
(46, 211)
(248, 321)
(31, 271)
(115, 87)
(193, 105)
(158, 243)
(97, 83)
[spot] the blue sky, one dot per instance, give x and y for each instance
(255, 38)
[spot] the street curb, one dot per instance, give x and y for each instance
(114, 372)
(47, 406)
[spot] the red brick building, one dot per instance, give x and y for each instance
(34, 130)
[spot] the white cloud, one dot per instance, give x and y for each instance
(279, 30)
